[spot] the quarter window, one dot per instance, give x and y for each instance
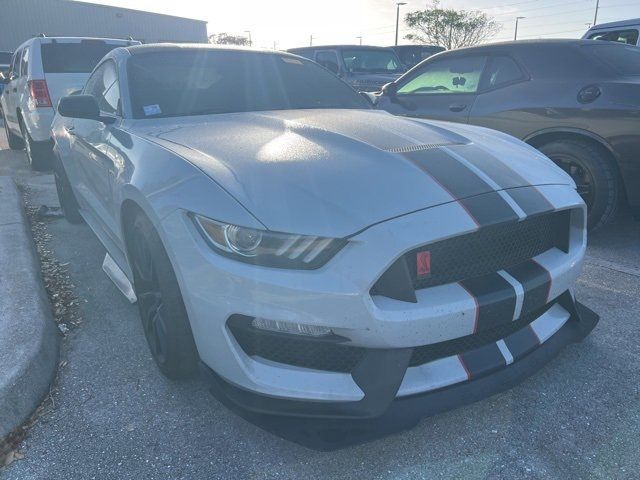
(103, 85)
(452, 75)
(15, 63)
(24, 63)
(502, 71)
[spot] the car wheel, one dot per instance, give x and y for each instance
(66, 197)
(38, 153)
(15, 142)
(162, 311)
(595, 175)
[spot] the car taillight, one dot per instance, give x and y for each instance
(39, 93)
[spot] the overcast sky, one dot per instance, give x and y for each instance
(290, 23)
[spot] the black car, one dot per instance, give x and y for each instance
(577, 101)
(411, 55)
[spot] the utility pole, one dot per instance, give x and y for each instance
(398, 18)
(250, 41)
(515, 36)
(360, 38)
(595, 17)
(311, 40)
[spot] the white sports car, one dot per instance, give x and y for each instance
(313, 256)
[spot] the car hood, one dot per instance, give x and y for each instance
(336, 172)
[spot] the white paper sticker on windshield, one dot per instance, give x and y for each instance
(152, 110)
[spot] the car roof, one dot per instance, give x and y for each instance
(525, 45)
(177, 47)
(620, 23)
(350, 47)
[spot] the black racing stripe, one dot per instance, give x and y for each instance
(489, 209)
(522, 342)
(491, 166)
(495, 298)
(457, 178)
(531, 200)
(483, 360)
(536, 283)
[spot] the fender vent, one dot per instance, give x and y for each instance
(419, 148)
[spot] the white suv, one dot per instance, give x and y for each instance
(43, 70)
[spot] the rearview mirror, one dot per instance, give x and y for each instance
(82, 106)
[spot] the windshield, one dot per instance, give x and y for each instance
(361, 60)
(192, 82)
(73, 57)
(624, 59)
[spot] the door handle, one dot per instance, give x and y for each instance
(457, 107)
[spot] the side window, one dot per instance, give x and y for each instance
(328, 59)
(502, 71)
(103, 85)
(24, 63)
(629, 37)
(15, 63)
(451, 75)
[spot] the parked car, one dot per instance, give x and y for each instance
(5, 61)
(411, 55)
(577, 101)
(625, 31)
(316, 256)
(42, 70)
(363, 67)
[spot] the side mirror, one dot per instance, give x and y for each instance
(82, 106)
(390, 90)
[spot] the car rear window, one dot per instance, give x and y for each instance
(623, 59)
(76, 57)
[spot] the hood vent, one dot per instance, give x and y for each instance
(418, 148)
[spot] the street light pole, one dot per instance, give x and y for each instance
(311, 40)
(360, 38)
(515, 36)
(595, 18)
(398, 18)
(250, 41)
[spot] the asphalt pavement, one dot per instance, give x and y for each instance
(115, 416)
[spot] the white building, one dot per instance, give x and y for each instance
(23, 19)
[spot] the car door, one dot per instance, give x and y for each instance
(92, 155)
(505, 95)
(443, 89)
(11, 92)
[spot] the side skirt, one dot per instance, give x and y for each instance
(118, 277)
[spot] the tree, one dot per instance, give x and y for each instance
(226, 39)
(450, 28)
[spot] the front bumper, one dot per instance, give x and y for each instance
(382, 372)
(338, 296)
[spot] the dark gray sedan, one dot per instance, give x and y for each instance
(578, 101)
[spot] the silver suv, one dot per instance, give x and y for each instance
(43, 70)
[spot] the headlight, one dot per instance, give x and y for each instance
(269, 249)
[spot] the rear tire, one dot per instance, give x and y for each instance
(38, 153)
(15, 142)
(66, 197)
(162, 311)
(594, 173)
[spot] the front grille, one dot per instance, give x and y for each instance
(429, 353)
(336, 357)
(485, 251)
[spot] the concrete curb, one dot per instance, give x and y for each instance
(28, 334)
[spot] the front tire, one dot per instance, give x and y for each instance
(162, 311)
(66, 197)
(15, 142)
(38, 153)
(594, 173)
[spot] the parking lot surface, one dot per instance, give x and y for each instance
(115, 416)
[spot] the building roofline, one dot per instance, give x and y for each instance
(112, 7)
